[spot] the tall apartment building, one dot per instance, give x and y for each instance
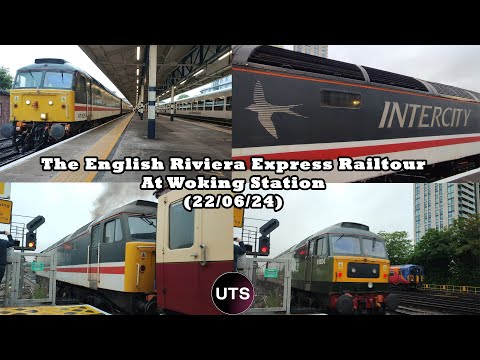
(437, 205)
(318, 50)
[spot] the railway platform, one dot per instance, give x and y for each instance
(52, 310)
(122, 137)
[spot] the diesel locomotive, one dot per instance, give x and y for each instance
(343, 269)
(52, 99)
(147, 258)
(294, 106)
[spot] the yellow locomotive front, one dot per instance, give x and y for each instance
(42, 103)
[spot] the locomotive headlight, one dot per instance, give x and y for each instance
(374, 271)
(356, 102)
(50, 103)
(27, 102)
(354, 270)
(370, 285)
(43, 116)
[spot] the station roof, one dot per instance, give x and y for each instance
(175, 64)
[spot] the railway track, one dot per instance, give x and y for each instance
(202, 119)
(10, 152)
(442, 302)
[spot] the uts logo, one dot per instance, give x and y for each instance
(232, 293)
(265, 110)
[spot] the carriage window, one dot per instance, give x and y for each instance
(229, 104)
(29, 79)
(181, 227)
(142, 228)
(208, 105)
(113, 231)
(374, 248)
(339, 99)
(58, 80)
(219, 104)
(200, 105)
(344, 244)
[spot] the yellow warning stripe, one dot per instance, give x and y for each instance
(51, 310)
(101, 149)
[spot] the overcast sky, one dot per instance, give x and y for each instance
(387, 207)
(17, 56)
(65, 206)
(456, 65)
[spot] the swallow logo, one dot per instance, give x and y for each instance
(265, 110)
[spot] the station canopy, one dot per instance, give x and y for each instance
(183, 66)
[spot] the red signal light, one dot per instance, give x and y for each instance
(264, 249)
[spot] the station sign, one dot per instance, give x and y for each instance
(38, 266)
(270, 273)
(6, 211)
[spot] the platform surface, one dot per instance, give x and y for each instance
(52, 310)
(127, 137)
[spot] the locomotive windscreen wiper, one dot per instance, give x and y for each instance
(30, 72)
(147, 220)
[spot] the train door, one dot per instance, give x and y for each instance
(309, 264)
(193, 249)
(93, 267)
(89, 99)
(180, 254)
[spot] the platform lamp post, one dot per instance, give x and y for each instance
(152, 90)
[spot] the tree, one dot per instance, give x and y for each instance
(6, 80)
(183, 96)
(399, 247)
(451, 256)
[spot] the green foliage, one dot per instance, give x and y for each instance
(399, 247)
(451, 256)
(6, 80)
(183, 96)
(40, 293)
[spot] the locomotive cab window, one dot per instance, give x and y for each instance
(142, 228)
(374, 248)
(113, 231)
(338, 99)
(181, 227)
(321, 246)
(58, 80)
(30, 79)
(345, 244)
(392, 273)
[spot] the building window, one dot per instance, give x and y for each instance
(181, 227)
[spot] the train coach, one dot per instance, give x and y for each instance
(214, 106)
(342, 269)
(294, 106)
(406, 276)
(52, 99)
(147, 258)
